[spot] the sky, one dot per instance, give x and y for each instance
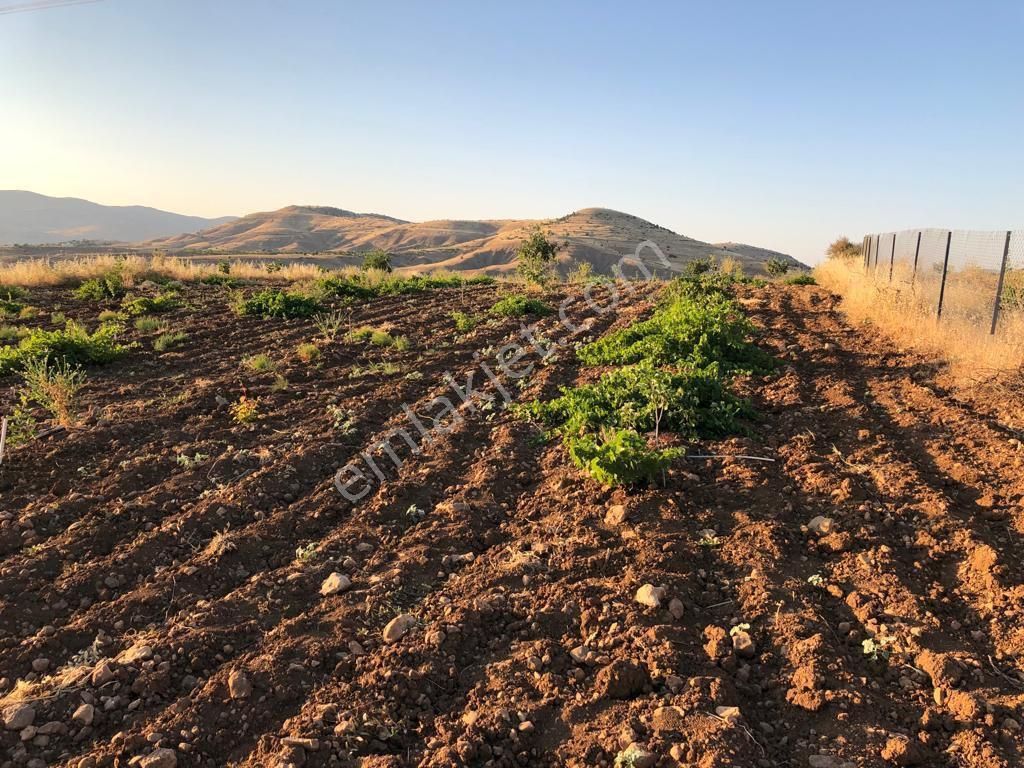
(780, 124)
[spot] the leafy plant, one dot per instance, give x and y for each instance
(464, 323)
(245, 411)
(143, 305)
(147, 324)
(801, 279)
(54, 386)
(73, 344)
(517, 305)
(329, 324)
(776, 267)
(277, 303)
(619, 456)
(102, 288)
(259, 363)
(536, 258)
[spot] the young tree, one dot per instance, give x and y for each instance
(536, 258)
(843, 249)
(377, 259)
(776, 267)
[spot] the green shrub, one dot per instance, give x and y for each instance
(259, 363)
(108, 316)
(10, 307)
(517, 305)
(218, 279)
(697, 332)
(102, 288)
(277, 303)
(382, 339)
(74, 344)
(143, 305)
(54, 386)
(536, 258)
(308, 352)
(619, 456)
(11, 333)
(377, 259)
(58, 318)
(801, 279)
(776, 267)
(168, 340)
(464, 323)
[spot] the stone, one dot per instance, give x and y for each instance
(160, 758)
(729, 714)
(137, 653)
(743, 644)
(102, 674)
(334, 584)
(84, 715)
(40, 665)
(650, 595)
(821, 761)
(820, 525)
(397, 628)
(617, 514)
(676, 608)
(18, 716)
(637, 757)
(239, 686)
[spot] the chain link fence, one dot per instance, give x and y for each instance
(974, 276)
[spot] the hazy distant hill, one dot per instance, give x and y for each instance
(27, 217)
(600, 236)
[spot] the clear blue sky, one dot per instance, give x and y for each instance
(782, 124)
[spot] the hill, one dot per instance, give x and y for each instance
(28, 217)
(600, 236)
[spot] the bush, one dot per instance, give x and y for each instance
(377, 259)
(842, 248)
(536, 258)
(776, 267)
(143, 305)
(464, 323)
(517, 305)
(10, 307)
(54, 386)
(102, 288)
(619, 457)
(801, 279)
(277, 303)
(169, 340)
(74, 344)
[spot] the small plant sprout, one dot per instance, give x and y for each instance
(187, 462)
(55, 387)
(306, 552)
(341, 420)
(329, 324)
(876, 648)
(308, 352)
(415, 512)
(739, 628)
(246, 410)
(708, 538)
(816, 579)
(260, 363)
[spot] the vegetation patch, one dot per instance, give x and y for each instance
(517, 305)
(144, 305)
(169, 340)
(277, 303)
(109, 285)
(73, 343)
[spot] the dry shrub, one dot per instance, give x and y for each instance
(906, 311)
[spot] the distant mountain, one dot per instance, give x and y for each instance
(599, 236)
(27, 217)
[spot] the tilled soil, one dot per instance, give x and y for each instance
(163, 611)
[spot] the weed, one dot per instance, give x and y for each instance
(343, 421)
(187, 462)
(329, 324)
(11, 333)
(308, 352)
(259, 363)
(246, 410)
(54, 386)
(801, 279)
(143, 305)
(58, 318)
(619, 456)
(517, 305)
(168, 340)
(464, 323)
(108, 316)
(106, 286)
(147, 324)
(73, 344)
(28, 313)
(280, 384)
(306, 552)
(276, 303)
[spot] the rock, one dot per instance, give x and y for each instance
(84, 715)
(40, 665)
(617, 514)
(137, 653)
(18, 716)
(580, 654)
(729, 714)
(621, 680)
(397, 628)
(102, 674)
(160, 758)
(676, 608)
(239, 686)
(743, 644)
(636, 757)
(650, 595)
(310, 745)
(820, 525)
(334, 584)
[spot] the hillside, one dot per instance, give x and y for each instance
(28, 217)
(600, 236)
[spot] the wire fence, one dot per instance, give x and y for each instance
(975, 276)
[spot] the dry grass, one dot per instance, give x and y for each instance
(905, 311)
(31, 273)
(48, 687)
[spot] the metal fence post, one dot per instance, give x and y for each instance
(945, 269)
(917, 253)
(892, 256)
(999, 285)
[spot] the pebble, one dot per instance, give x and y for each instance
(160, 758)
(650, 595)
(820, 525)
(743, 644)
(334, 584)
(617, 514)
(102, 674)
(239, 686)
(18, 716)
(397, 628)
(676, 608)
(84, 714)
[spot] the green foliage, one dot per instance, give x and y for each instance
(699, 266)
(329, 324)
(536, 258)
(224, 267)
(776, 267)
(361, 287)
(801, 279)
(260, 363)
(219, 279)
(378, 336)
(74, 344)
(619, 456)
(102, 288)
(143, 305)
(168, 340)
(377, 259)
(148, 324)
(517, 305)
(308, 352)
(464, 323)
(58, 318)
(9, 334)
(10, 307)
(694, 331)
(277, 303)
(246, 410)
